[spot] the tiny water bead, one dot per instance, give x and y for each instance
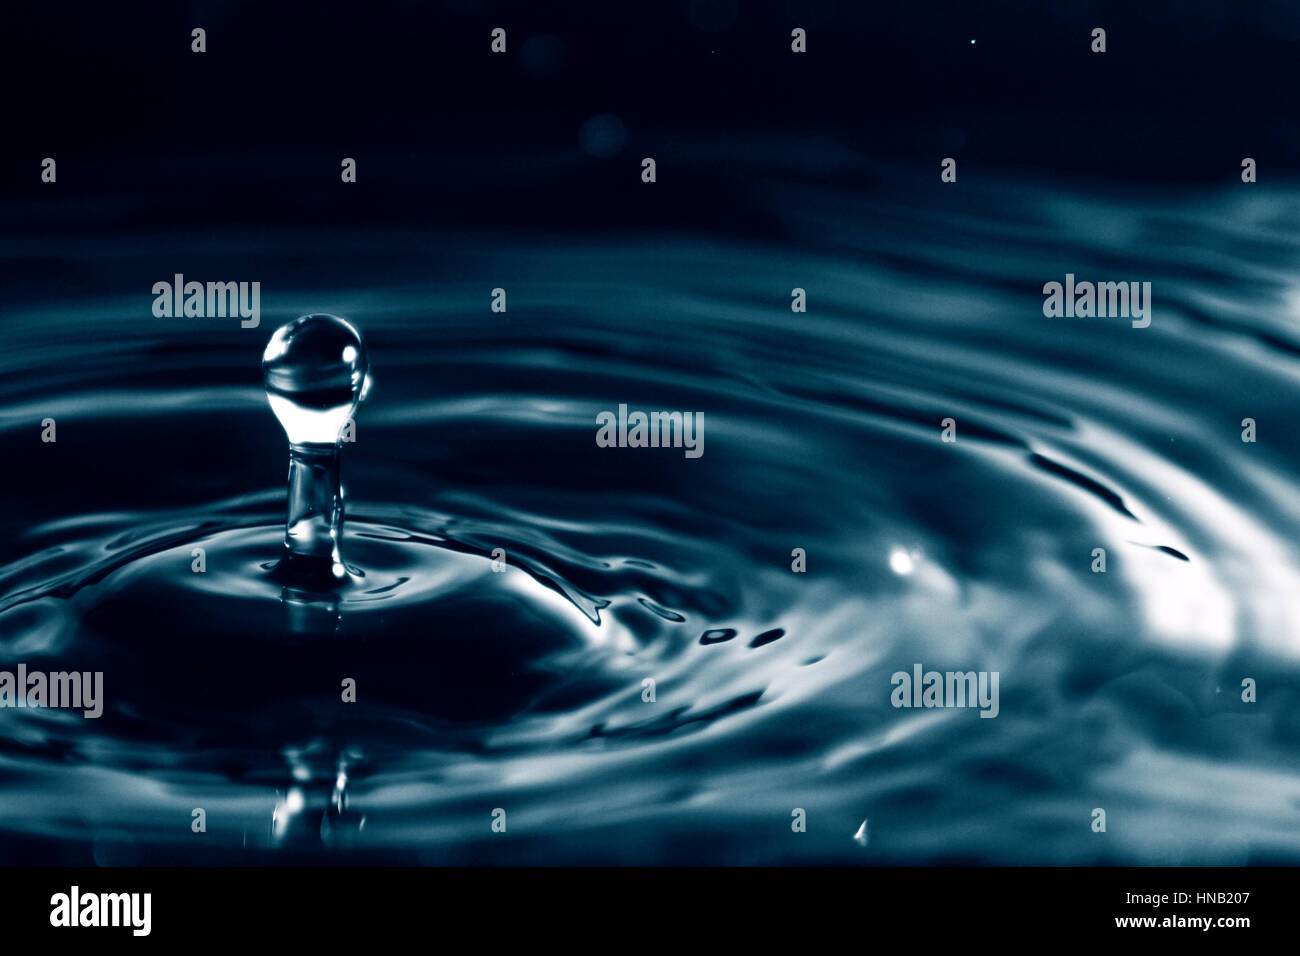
(316, 374)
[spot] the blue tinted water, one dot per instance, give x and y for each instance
(523, 689)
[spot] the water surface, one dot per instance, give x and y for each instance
(523, 689)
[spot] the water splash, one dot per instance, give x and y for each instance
(523, 688)
(315, 371)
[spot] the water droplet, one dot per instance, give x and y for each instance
(316, 374)
(315, 370)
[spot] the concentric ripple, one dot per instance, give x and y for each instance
(611, 644)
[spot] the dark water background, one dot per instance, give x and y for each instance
(523, 690)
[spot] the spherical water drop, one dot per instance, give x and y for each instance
(315, 373)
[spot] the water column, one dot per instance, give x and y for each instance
(316, 374)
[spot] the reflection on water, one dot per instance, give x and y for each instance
(518, 585)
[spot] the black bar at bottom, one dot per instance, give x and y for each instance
(923, 906)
